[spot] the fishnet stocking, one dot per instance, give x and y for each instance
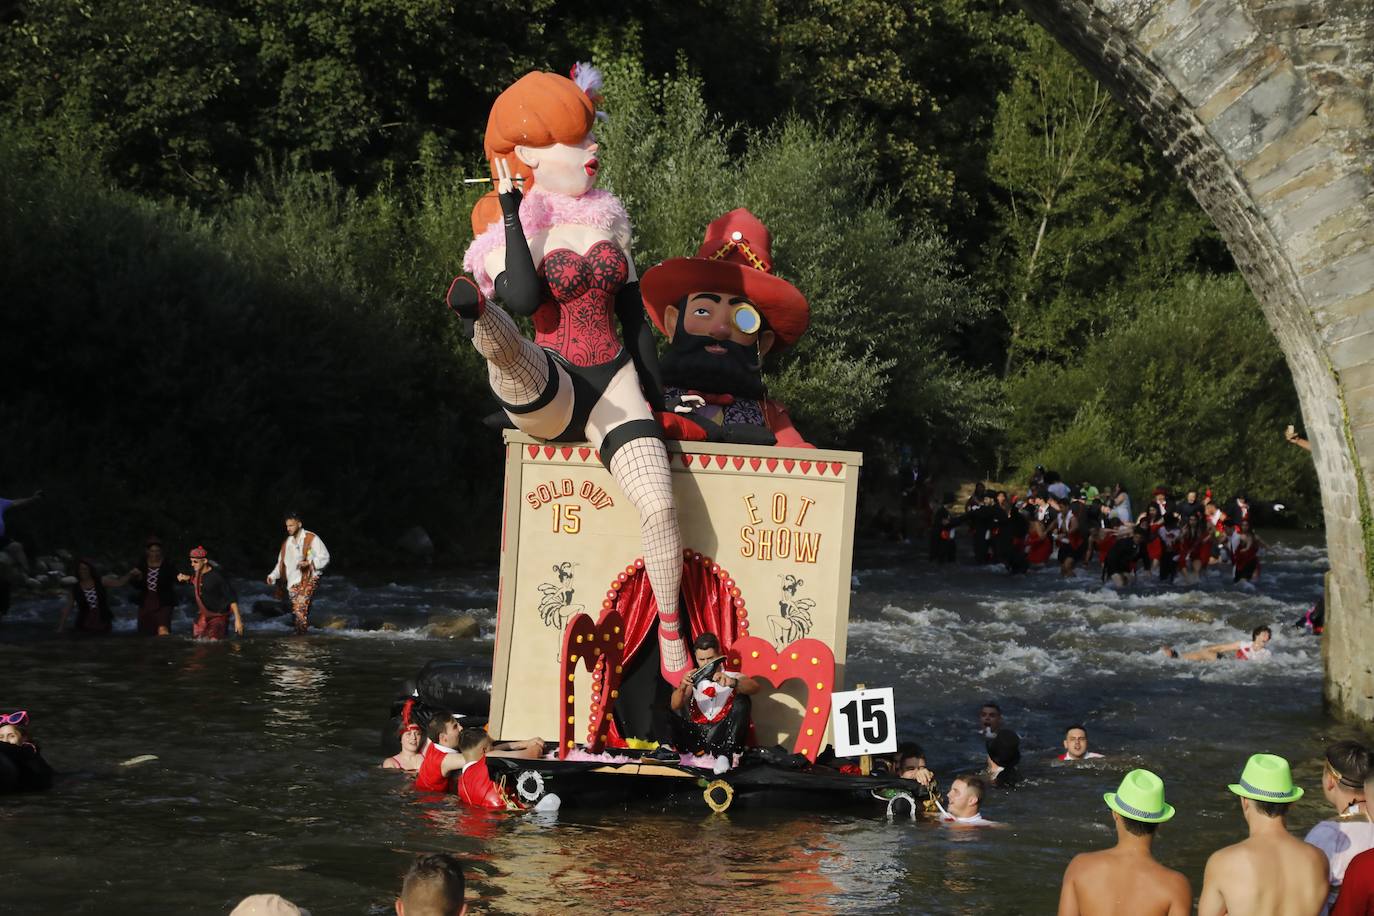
(516, 366)
(640, 467)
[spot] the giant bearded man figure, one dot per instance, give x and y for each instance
(560, 253)
(723, 311)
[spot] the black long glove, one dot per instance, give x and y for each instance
(639, 339)
(518, 285)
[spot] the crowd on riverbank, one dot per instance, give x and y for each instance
(1081, 526)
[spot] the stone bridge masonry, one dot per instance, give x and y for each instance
(1266, 109)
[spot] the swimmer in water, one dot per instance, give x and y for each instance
(1076, 745)
(989, 719)
(963, 803)
(410, 758)
(910, 763)
(24, 770)
(1252, 651)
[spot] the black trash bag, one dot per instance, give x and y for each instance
(458, 686)
(777, 756)
(23, 769)
(441, 688)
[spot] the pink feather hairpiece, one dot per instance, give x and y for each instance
(588, 79)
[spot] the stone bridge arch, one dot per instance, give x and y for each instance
(1266, 109)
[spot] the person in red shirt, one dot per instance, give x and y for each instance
(441, 760)
(1357, 890)
(723, 311)
(475, 785)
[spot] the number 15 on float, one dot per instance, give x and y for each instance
(865, 722)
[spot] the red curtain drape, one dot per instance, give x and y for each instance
(714, 605)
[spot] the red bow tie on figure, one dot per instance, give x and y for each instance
(720, 400)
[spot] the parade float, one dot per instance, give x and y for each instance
(643, 511)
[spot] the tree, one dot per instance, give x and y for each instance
(1191, 391)
(885, 296)
(1064, 155)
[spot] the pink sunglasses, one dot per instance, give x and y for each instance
(14, 718)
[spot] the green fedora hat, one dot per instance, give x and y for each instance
(1267, 778)
(1140, 798)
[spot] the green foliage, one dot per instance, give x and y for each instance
(1088, 449)
(1191, 392)
(172, 373)
(185, 96)
(885, 299)
(305, 158)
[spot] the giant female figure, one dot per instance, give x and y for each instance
(560, 253)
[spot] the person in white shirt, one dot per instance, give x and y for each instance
(1076, 745)
(300, 561)
(964, 803)
(1349, 833)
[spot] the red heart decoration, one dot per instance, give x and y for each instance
(583, 453)
(788, 464)
(534, 451)
(836, 467)
(772, 464)
(720, 461)
(738, 462)
(566, 452)
(549, 450)
(593, 645)
(709, 691)
(686, 461)
(820, 467)
(806, 467)
(755, 462)
(808, 659)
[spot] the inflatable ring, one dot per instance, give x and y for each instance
(530, 794)
(901, 796)
(718, 785)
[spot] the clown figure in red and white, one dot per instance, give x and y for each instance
(711, 706)
(723, 311)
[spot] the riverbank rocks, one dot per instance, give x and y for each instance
(463, 627)
(11, 572)
(269, 608)
(50, 565)
(416, 542)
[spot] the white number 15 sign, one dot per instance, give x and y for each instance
(865, 722)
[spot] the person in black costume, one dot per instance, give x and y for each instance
(1004, 753)
(1122, 557)
(711, 706)
(22, 767)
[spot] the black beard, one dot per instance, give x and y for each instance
(688, 365)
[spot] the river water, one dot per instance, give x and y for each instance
(266, 778)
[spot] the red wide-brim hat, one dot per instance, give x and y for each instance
(736, 258)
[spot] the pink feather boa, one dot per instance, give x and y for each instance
(540, 211)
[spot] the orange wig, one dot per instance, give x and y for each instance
(539, 109)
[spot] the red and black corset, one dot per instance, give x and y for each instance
(577, 318)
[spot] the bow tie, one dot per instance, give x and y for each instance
(720, 400)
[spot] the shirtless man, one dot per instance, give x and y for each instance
(1126, 880)
(1271, 872)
